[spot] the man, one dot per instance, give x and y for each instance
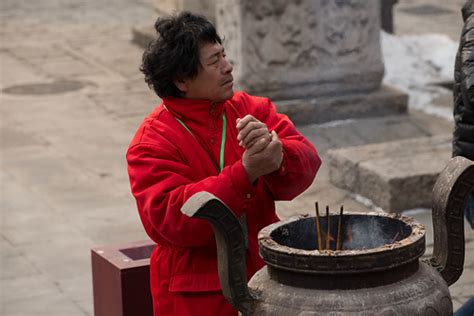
(463, 137)
(205, 137)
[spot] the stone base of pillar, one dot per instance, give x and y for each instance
(384, 101)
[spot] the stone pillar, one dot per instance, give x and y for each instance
(319, 60)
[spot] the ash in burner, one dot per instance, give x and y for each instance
(358, 232)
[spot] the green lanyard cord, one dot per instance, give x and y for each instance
(224, 124)
(224, 127)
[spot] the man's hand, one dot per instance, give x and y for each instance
(263, 152)
(252, 130)
(263, 158)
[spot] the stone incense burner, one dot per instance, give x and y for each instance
(377, 270)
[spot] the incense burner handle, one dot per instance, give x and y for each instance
(231, 247)
(451, 190)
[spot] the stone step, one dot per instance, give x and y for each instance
(384, 101)
(395, 176)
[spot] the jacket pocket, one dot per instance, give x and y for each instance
(195, 282)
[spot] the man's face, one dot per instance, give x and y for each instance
(214, 81)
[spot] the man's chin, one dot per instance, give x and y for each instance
(227, 96)
(231, 94)
(224, 97)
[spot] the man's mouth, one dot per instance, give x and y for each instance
(228, 81)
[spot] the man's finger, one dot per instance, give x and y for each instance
(259, 145)
(240, 123)
(274, 136)
(267, 139)
(253, 141)
(253, 136)
(250, 127)
(275, 142)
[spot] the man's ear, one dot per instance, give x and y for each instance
(181, 85)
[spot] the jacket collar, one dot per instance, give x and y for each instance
(192, 109)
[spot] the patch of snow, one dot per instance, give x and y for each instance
(413, 63)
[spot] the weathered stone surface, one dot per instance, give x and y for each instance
(205, 7)
(396, 175)
(380, 102)
(357, 132)
(142, 35)
(165, 6)
(302, 49)
(42, 304)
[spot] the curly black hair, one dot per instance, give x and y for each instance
(174, 54)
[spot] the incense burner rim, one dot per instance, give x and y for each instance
(384, 257)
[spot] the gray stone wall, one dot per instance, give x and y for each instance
(304, 48)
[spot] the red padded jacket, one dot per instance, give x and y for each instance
(167, 165)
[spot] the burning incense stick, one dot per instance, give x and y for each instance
(339, 229)
(328, 229)
(394, 238)
(318, 227)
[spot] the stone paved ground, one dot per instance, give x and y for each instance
(64, 187)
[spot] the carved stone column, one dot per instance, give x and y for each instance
(319, 60)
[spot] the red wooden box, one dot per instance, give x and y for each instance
(121, 280)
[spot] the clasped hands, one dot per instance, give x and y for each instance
(263, 150)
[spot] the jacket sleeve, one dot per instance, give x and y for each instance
(463, 137)
(161, 182)
(300, 158)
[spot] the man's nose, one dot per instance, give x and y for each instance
(227, 66)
